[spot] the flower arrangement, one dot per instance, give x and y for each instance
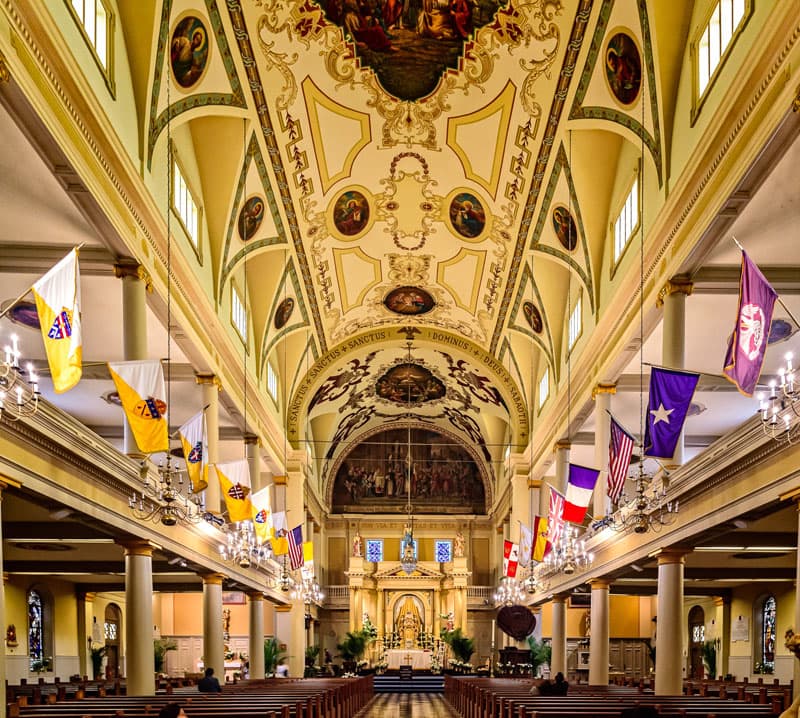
(436, 664)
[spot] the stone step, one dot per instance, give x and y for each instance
(417, 684)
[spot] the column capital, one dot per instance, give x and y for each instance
(679, 284)
(131, 268)
(795, 101)
(283, 608)
(212, 579)
(250, 439)
(603, 388)
(562, 444)
(255, 595)
(208, 379)
(136, 547)
(6, 482)
(560, 597)
(281, 480)
(672, 555)
(599, 583)
(721, 601)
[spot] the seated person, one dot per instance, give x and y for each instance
(172, 710)
(282, 670)
(560, 686)
(209, 683)
(541, 687)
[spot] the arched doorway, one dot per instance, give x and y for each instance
(697, 636)
(111, 629)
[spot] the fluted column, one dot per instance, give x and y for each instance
(256, 637)
(139, 670)
(213, 641)
(598, 646)
(211, 388)
(673, 340)
(602, 394)
(670, 624)
(136, 282)
(558, 658)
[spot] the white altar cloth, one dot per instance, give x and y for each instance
(414, 657)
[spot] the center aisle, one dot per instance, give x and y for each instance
(408, 705)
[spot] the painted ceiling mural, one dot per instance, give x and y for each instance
(415, 170)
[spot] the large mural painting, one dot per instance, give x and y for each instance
(373, 477)
(409, 43)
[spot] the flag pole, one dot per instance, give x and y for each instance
(777, 296)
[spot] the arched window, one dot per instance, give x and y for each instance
(40, 630)
(768, 634)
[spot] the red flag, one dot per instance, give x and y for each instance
(510, 558)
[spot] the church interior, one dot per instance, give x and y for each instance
(379, 325)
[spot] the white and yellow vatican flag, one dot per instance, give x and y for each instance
(58, 299)
(307, 569)
(234, 481)
(262, 515)
(280, 530)
(194, 440)
(141, 389)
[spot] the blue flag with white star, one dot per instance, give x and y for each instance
(671, 394)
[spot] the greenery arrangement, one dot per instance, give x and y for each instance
(353, 645)
(97, 651)
(540, 653)
(710, 658)
(160, 648)
(462, 646)
(273, 656)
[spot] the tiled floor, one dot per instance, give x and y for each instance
(408, 705)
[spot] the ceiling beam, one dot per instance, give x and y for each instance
(725, 279)
(36, 259)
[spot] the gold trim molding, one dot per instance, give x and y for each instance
(603, 389)
(676, 285)
(5, 75)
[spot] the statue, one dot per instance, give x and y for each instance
(458, 545)
(409, 623)
(357, 545)
(11, 636)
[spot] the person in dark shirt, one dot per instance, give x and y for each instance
(209, 683)
(560, 686)
(172, 710)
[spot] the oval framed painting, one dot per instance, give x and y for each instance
(467, 216)
(189, 51)
(623, 63)
(533, 316)
(565, 228)
(409, 301)
(23, 313)
(283, 312)
(250, 217)
(352, 215)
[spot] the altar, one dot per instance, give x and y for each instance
(418, 659)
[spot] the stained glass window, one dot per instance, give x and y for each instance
(698, 633)
(768, 633)
(375, 550)
(110, 631)
(35, 630)
(443, 551)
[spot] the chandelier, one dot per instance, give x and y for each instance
(308, 591)
(646, 511)
(781, 409)
(242, 548)
(568, 555)
(284, 581)
(19, 395)
(510, 592)
(164, 501)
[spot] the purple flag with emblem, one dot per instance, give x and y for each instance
(748, 343)
(671, 394)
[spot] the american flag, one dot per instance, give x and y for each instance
(296, 547)
(620, 450)
(555, 517)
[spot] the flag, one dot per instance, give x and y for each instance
(280, 545)
(307, 569)
(194, 440)
(140, 385)
(671, 394)
(541, 546)
(555, 517)
(748, 342)
(510, 558)
(620, 450)
(296, 547)
(58, 299)
(525, 544)
(262, 516)
(234, 482)
(580, 485)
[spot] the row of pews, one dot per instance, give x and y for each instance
(511, 698)
(269, 698)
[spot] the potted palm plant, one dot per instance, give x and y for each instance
(710, 658)
(160, 648)
(540, 653)
(97, 651)
(351, 649)
(273, 657)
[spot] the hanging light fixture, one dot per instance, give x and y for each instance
(165, 500)
(510, 592)
(780, 410)
(308, 591)
(242, 548)
(568, 555)
(408, 555)
(19, 394)
(647, 510)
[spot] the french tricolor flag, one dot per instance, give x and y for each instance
(580, 485)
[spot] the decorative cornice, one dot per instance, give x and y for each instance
(676, 285)
(136, 547)
(795, 101)
(603, 389)
(5, 75)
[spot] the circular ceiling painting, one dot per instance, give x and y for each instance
(409, 300)
(351, 212)
(283, 312)
(467, 215)
(623, 68)
(533, 316)
(188, 53)
(250, 217)
(409, 384)
(565, 228)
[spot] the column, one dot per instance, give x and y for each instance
(256, 638)
(211, 388)
(673, 340)
(213, 643)
(796, 663)
(380, 619)
(21, 633)
(602, 434)
(670, 624)
(136, 282)
(251, 444)
(598, 645)
(558, 659)
(296, 514)
(562, 466)
(139, 620)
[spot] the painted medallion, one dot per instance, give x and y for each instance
(409, 384)
(467, 215)
(409, 300)
(250, 217)
(351, 213)
(623, 68)
(565, 228)
(283, 312)
(188, 54)
(24, 313)
(533, 316)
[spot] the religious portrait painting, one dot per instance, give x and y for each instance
(533, 316)
(623, 68)
(250, 217)
(408, 301)
(283, 312)
(467, 215)
(565, 228)
(409, 384)
(351, 213)
(189, 48)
